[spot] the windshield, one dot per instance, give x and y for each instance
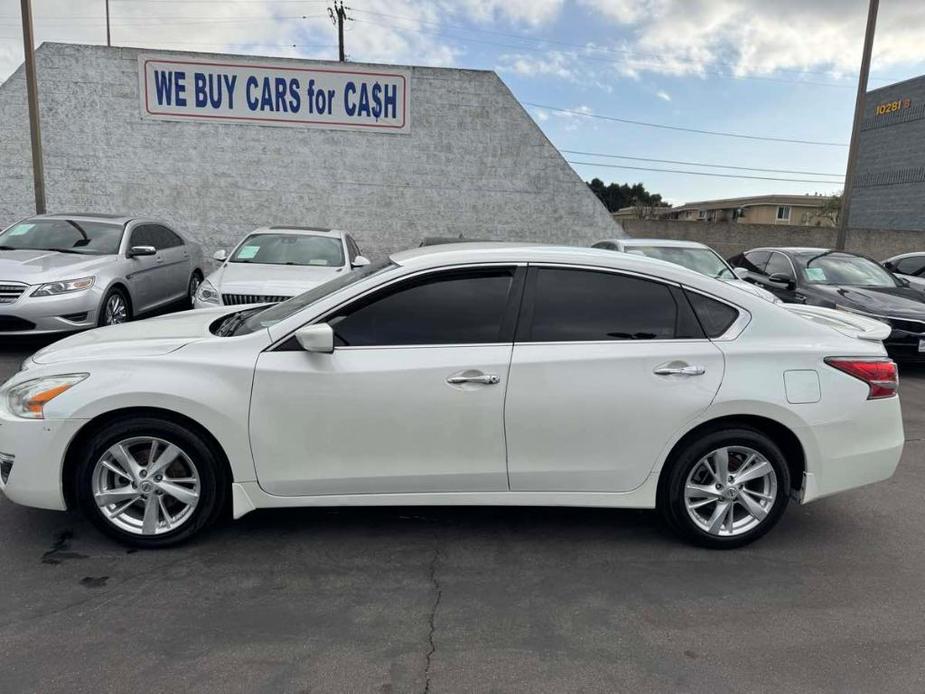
(274, 314)
(291, 249)
(702, 260)
(851, 270)
(65, 235)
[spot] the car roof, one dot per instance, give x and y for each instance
(796, 250)
(662, 243)
(499, 252)
(88, 216)
(300, 231)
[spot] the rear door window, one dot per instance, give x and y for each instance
(575, 305)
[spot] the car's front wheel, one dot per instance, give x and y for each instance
(116, 308)
(149, 482)
(726, 488)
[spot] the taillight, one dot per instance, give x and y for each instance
(879, 373)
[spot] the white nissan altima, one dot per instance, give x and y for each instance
(489, 374)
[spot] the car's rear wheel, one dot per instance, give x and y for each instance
(726, 489)
(150, 482)
(116, 308)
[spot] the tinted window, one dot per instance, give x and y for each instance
(778, 262)
(166, 238)
(834, 268)
(605, 245)
(66, 235)
(457, 307)
(574, 305)
(910, 266)
(352, 248)
(714, 316)
(144, 236)
(756, 260)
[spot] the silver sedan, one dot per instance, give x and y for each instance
(67, 272)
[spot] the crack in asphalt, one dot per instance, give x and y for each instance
(432, 618)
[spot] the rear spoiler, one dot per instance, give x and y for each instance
(845, 322)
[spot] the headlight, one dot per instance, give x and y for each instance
(65, 286)
(207, 293)
(28, 399)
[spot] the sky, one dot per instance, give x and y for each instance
(777, 69)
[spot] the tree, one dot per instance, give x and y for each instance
(616, 196)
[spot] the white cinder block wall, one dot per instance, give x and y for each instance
(474, 163)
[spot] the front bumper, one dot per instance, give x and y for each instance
(37, 448)
(904, 346)
(50, 314)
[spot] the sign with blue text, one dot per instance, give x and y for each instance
(334, 97)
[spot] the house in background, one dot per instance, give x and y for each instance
(800, 210)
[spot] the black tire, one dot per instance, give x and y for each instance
(102, 319)
(213, 483)
(194, 281)
(671, 501)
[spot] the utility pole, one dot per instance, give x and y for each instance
(108, 39)
(38, 168)
(842, 238)
(338, 15)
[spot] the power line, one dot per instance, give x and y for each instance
(718, 133)
(699, 173)
(697, 163)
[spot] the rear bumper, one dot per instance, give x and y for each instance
(37, 449)
(854, 452)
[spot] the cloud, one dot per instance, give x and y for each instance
(663, 95)
(531, 12)
(757, 37)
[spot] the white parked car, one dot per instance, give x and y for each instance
(490, 374)
(273, 264)
(693, 255)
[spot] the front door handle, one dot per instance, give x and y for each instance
(485, 379)
(680, 371)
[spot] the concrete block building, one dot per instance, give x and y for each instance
(466, 159)
(889, 189)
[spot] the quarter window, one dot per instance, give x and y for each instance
(714, 316)
(454, 307)
(586, 305)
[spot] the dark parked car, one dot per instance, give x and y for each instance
(841, 280)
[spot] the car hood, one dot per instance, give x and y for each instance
(271, 280)
(898, 302)
(147, 338)
(33, 267)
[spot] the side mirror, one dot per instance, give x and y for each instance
(221, 256)
(360, 261)
(316, 338)
(779, 279)
(136, 251)
(902, 280)
(740, 272)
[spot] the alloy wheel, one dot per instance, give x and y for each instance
(730, 491)
(115, 311)
(194, 283)
(146, 486)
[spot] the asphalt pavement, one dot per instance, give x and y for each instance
(475, 599)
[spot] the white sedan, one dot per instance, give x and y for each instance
(273, 264)
(480, 374)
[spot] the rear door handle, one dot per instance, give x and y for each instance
(680, 371)
(485, 379)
